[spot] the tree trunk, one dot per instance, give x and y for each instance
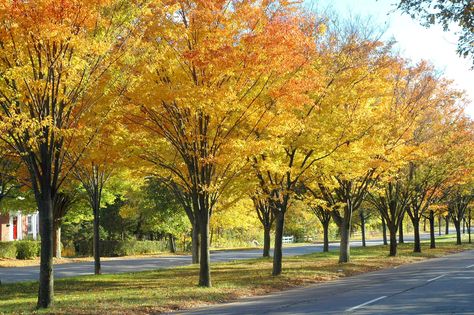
(362, 227)
(195, 243)
(432, 230)
(424, 225)
(205, 259)
(57, 241)
(96, 242)
(344, 253)
(266, 241)
(463, 226)
(326, 237)
(447, 225)
(46, 278)
(457, 225)
(469, 226)
(384, 231)
(439, 224)
(416, 232)
(277, 251)
(400, 232)
(172, 243)
(393, 241)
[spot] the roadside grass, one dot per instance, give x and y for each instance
(175, 288)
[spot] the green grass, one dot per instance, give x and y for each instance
(172, 289)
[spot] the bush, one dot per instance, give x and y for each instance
(114, 248)
(7, 250)
(27, 249)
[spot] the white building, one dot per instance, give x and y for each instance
(18, 226)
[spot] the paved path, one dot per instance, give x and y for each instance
(122, 265)
(437, 286)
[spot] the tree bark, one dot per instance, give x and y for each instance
(432, 230)
(439, 224)
(344, 253)
(96, 241)
(393, 241)
(384, 231)
(172, 243)
(57, 241)
(447, 225)
(362, 227)
(266, 241)
(46, 278)
(469, 226)
(277, 251)
(195, 243)
(326, 237)
(400, 232)
(205, 259)
(457, 225)
(463, 225)
(416, 232)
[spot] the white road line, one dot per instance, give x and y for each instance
(435, 278)
(366, 303)
(470, 266)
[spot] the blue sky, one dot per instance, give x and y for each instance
(413, 41)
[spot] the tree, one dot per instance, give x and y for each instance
(445, 13)
(458, 202)
(62, 203)
(206, 84)
(266, 217)
(391, 201)
(55, 57)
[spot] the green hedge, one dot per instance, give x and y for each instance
(7, 250)
(27, 249)
(121, 248)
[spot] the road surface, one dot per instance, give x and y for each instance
(437, 286)
(123, 265)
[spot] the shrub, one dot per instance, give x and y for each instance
(7, 250)
(114, 248)
(27, 249)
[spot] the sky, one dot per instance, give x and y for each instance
(413, 40)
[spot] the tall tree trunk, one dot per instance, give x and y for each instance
(96, 242)
(172, 243)
(457, 225)
(205, 259)
(57, 240)
(344, 252)
(46, 278)
(432, 230)
(384, 231)
(195, 243)
(400, 232)
(463, 225)
(266, 240)
(447, 225)
(393, 240)
(362, 227)
(277, 251)
(469, 226)
(326, 236)
(439, 224)
(416, 232)
(424, 225)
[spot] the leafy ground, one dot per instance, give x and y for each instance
(172, 289)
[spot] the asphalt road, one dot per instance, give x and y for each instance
(437, 286)
(123, 265)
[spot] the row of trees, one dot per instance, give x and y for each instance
(223, 101)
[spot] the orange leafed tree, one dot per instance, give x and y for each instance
(56, 68)
(211, 72)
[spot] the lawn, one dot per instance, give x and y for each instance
(173, 289)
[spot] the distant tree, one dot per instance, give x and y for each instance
(446, 13)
